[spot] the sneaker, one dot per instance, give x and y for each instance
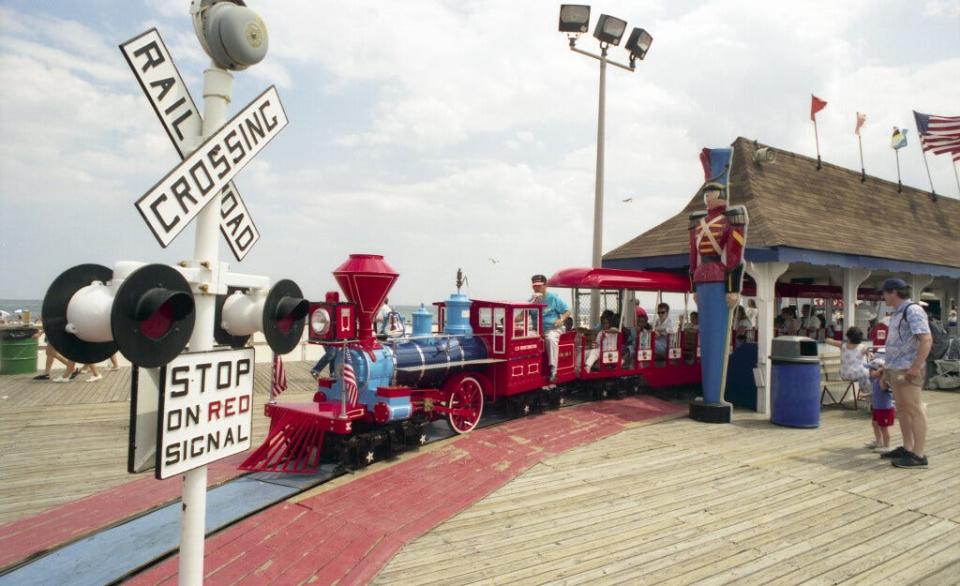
(42, 377)
(74, 374)
(911, 460)
(62, 379)
(895, 453)
(872, 445)
(95, 378)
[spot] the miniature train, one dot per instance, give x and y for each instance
(485, 352)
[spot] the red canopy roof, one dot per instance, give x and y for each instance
(591, 278)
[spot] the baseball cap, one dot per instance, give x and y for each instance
(538, 280)
(893, 283)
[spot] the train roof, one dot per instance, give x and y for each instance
(598, 278)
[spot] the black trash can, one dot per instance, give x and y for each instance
(795, 382)
(18, 350)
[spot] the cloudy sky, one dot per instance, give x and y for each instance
(447, 134)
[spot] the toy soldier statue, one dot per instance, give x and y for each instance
(717, 241)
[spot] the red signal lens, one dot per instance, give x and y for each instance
(158, 324)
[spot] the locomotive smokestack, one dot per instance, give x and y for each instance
(366, 279)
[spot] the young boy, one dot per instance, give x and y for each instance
(881, 407)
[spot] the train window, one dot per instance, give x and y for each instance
(485, 317)
(523, 326)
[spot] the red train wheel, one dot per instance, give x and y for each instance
(466, 403)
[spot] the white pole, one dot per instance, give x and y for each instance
(217, 87)
(598, 191)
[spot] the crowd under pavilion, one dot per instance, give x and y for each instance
(821, 224)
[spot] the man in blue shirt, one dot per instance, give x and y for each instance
(907, 346)
(555, 312)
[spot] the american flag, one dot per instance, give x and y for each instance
(348, 380)
(279, 377)
(940, 134)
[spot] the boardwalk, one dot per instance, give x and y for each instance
(60, 442)
(681, 502)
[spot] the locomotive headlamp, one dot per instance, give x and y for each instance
(574, 18)
(609, 29)
(638, 44)
(320, 321)
(232, 35)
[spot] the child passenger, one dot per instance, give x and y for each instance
(882, 408)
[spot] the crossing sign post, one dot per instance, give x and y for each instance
(213, 153)
(160, 80)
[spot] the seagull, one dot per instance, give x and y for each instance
(628, 200)
(493, 260)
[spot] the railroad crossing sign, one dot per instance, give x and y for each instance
(160, 80)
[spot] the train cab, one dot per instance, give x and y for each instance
(511, 331)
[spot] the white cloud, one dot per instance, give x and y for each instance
(442, 134)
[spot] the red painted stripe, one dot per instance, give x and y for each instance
(346, 535)
(30, 536)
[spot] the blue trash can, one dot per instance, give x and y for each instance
(795, 382)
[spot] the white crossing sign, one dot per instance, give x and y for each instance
(160, 80)
(205, 411)
(177, 198)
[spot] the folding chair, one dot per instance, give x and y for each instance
(850, 389)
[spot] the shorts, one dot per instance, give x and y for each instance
(884, 417)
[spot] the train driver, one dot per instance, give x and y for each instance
(555, 312)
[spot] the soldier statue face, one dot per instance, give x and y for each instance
(713, 199)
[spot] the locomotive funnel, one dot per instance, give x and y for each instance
(366, 279)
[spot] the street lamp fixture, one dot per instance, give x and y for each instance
(609, 29)
(574, 18)
(638, 44)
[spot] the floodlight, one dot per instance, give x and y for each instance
(609, 29)
(574, 18)
(639, 43)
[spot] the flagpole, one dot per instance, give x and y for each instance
(899, 183)
(273, 378)
(816, 137)
(863, 170)
(957, 177)
(923, 151)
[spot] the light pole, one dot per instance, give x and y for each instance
(574, 21)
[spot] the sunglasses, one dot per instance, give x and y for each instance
(661, 312)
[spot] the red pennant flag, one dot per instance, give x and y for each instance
(816, 104)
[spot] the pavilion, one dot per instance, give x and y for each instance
(827, 226)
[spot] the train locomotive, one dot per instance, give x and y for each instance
(385, 392)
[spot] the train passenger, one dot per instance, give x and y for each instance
(555, 314)
(606, 339)
(663, 326)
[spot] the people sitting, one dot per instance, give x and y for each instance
(606, 341)
(663, 327)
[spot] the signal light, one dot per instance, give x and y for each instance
(146, 312)
(280, 315)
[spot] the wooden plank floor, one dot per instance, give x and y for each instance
(682, 503)
(63, 441)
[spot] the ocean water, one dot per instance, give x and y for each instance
(31, 305)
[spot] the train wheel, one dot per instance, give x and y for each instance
(466, 400)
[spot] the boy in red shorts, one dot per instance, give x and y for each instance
(881, 407)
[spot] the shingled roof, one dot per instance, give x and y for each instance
(792, 204)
